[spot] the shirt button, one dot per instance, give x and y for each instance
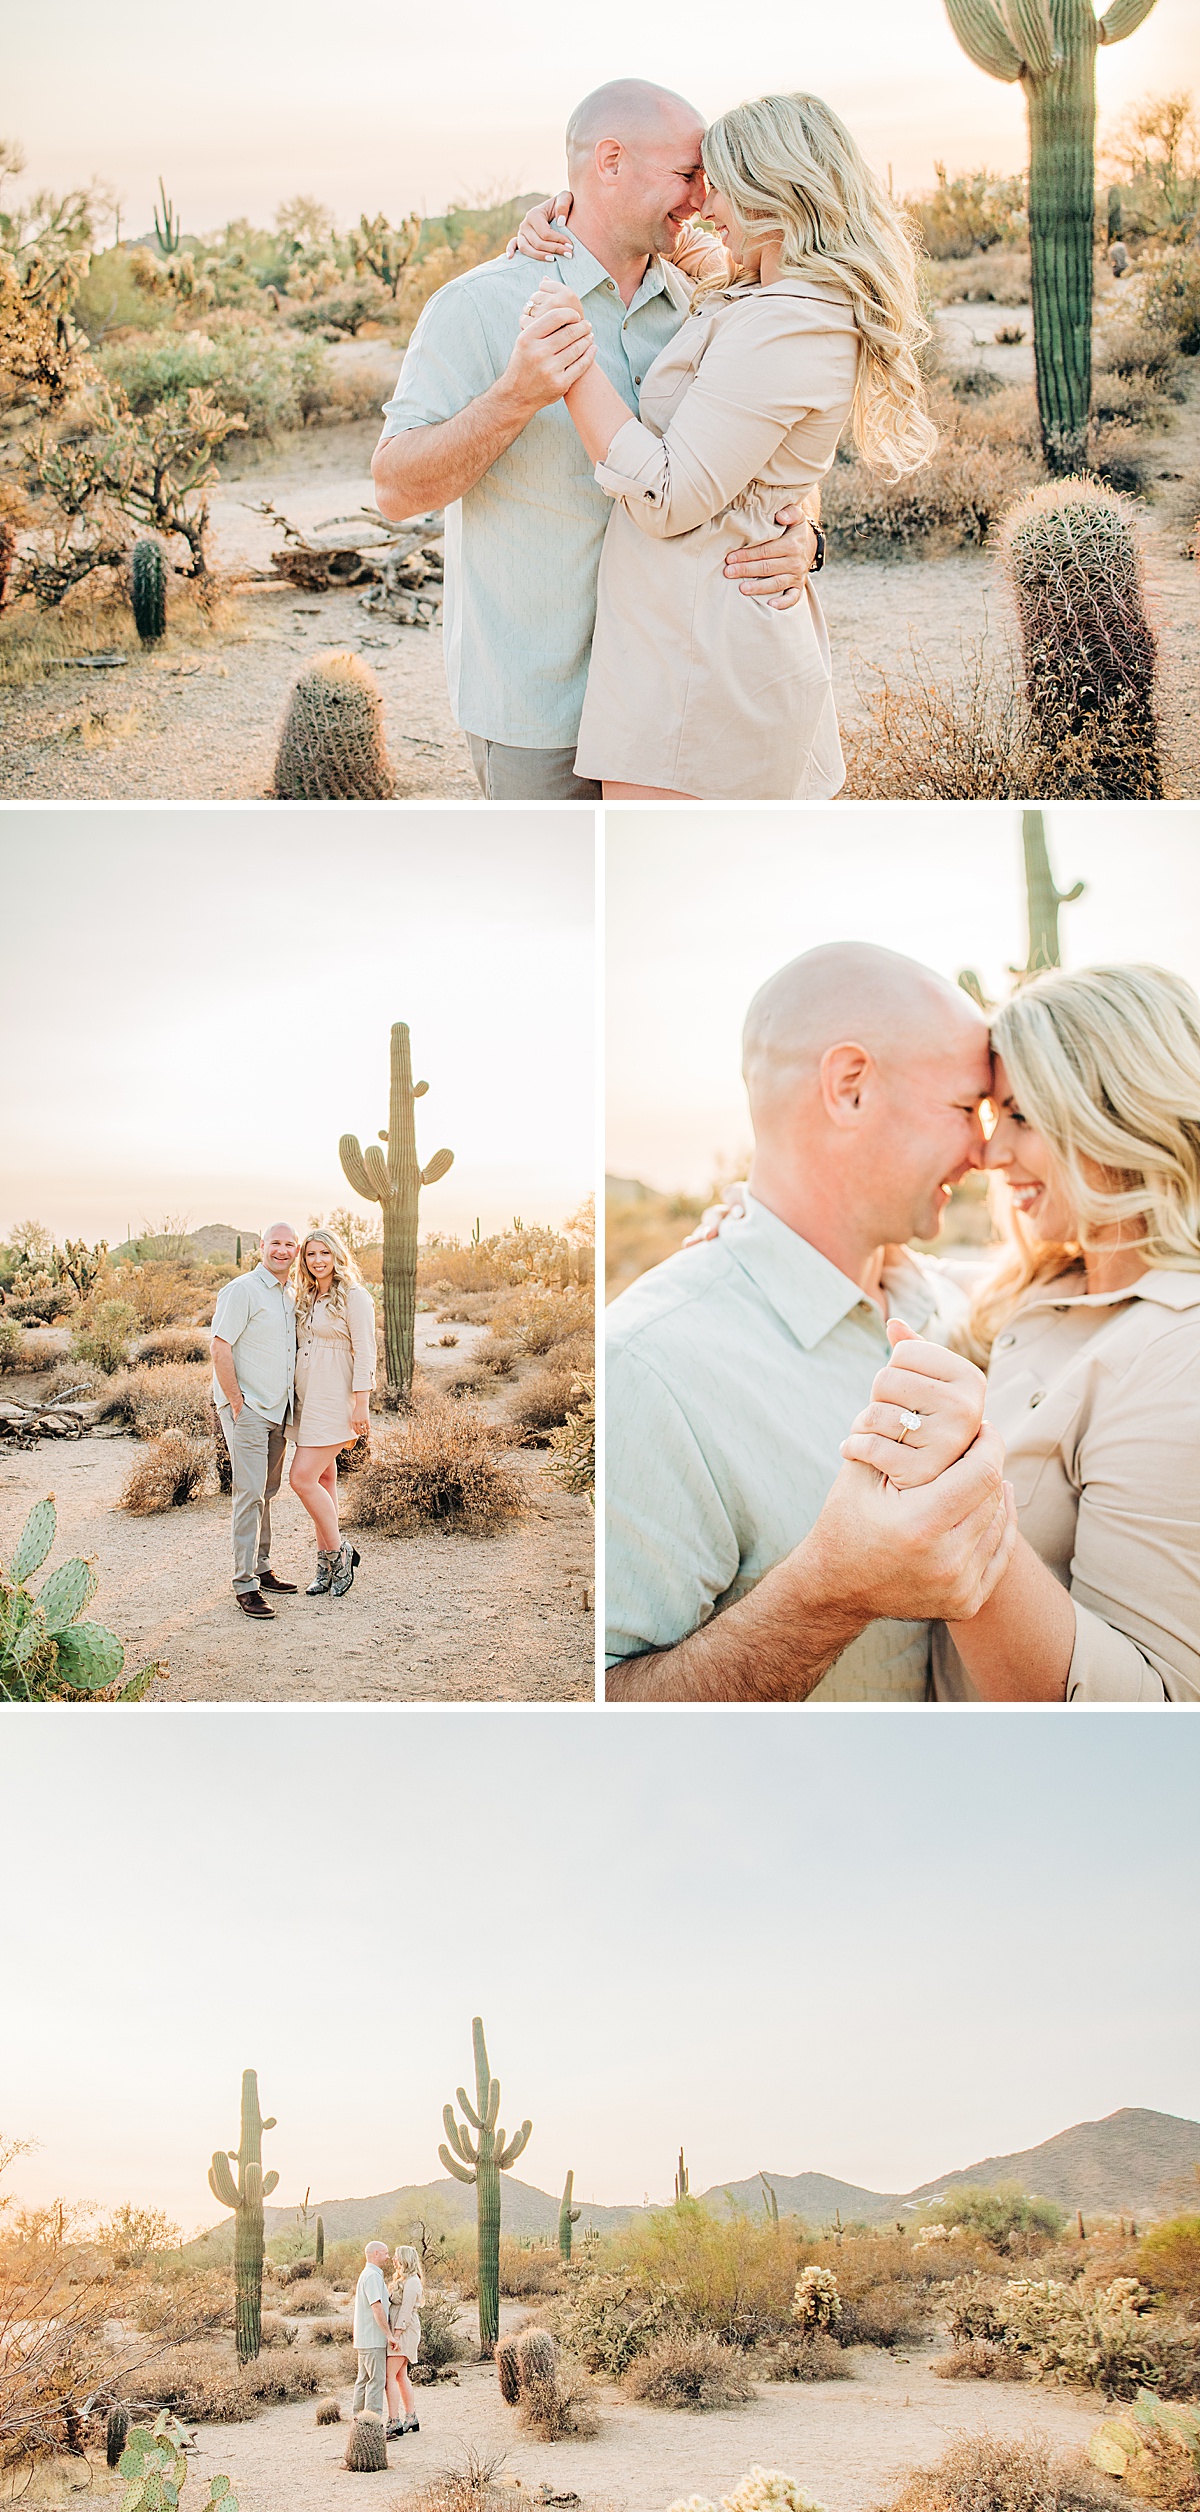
(1005, 1342)
(637, 379)
(1037, 1399)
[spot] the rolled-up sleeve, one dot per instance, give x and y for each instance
(360, 1317)
(747, 395)
(670, 1548)
(1135, 1572)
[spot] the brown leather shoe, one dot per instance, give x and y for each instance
(256, 1606)
(278, 1587)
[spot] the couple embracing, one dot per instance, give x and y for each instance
(839, 1468)
(387, 2335)
(630, 454)
(293, 1351)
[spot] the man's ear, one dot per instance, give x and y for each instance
(845, 1071)
(608, 160)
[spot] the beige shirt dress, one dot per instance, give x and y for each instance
(1097, 1397)
(404, 2317)
(335, 1359)
(692, 686)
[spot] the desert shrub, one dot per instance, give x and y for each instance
(67, 1378)
(539, 1319)
(313, 2296)
(689, 2369)
(526, 2269)
(1169, 2257)
(275, 2331)
(445, 1466)
(979, 2474)
(965, 213)
(166, 1291)
(542, 1401)
(270, 383)
(611, 2323)
(988, 453)
(1004, 2217)
(104, 1337)
(892, 2313)
(526, 1254)
(495, 1353)
(973, 2307)
(817, 2357)
(40, 1308)
(169, 1474)
(1171, 295)
(12, 1345)
(472, 2487)
(977, 2359)
(442, 2342)
(733, 2277)
(172, 1343)
(927, 738)
(204, 2384)
(175, 1396)
(1106, 2338)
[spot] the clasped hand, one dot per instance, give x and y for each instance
(555, 345)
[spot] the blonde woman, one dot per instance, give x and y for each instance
(335, 1372)
(1090, 1332)
(406, 2295)
(809, 324)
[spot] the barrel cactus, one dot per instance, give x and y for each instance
(567, 2216)
(508, 2370)
(366, 2448)
(394, 1184)
(46, 1652)
(332, 747)
(482, 2161)
(116, 2429)
(1050, 46)
(245, 2195)
(148, 577)
(1089, 651)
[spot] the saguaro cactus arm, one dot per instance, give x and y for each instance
(1029, 24)
(460, 2170)
(1123, 18)
(436, 1167)
(507, 2154)
(981, 33)
(221, 2181)
(350, 1155)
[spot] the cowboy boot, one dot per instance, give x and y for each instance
(345, 1567)
(326, 1565)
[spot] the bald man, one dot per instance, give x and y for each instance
(478, 426)
(745, 1561)
(254, 1381)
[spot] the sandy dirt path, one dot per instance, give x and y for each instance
(430, 1617)
(847, 2442)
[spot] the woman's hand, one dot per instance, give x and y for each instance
(945, 1392)
(536, 237)
(553, 348)
(360, 1416)
(550, 298)
(733, 1199)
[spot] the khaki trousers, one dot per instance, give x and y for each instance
(370, 2389)
(509, 775)
(256, 1452)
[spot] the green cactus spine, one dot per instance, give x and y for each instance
(482, 2162)
(567, 2216)
(1050, 46)
(245, 2195)
(394, 1184)
(1089, 652)
(332, 746)
(320, 2249)
(148, 583)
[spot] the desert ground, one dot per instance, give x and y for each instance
(200, 719)
(848, 2442)
(430, 1617)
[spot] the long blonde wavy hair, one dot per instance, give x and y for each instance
(788, 163)
(345, 1271)
(1105, 1062)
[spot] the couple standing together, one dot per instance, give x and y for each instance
(387, 2334)
(630, 457)
(292, 1365)
(1005, 1504)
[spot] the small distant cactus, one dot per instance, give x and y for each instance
(320, 2250)
(366, 2448)
(332, 747)
(116, 2431)
(328, 2412)
(148, 581)
(681, 2178)
(1089, 651)
(45, 1651)
(816, 2303)
(567, 2216)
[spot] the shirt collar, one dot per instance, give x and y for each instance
(1160, 1284)
(267, 1276)
(809, 1293)
(584, 273)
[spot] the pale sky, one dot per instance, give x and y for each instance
(209, 1004)
(850, 1942)
(398, 108)
(701, 907)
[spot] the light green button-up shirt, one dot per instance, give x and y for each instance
(523, 545)
(258, 1317)
(734, 1371)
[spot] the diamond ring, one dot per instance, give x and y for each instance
(908, 1420)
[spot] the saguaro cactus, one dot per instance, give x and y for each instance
(1089, 652)
(1044, 899)
(681, 2178)
(1050, 46)
(394, 1184)
(319, 2253)
(482, 2163)
(567, 2216)
(245, 2195)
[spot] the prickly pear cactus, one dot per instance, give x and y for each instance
(155, 2470)
(332, 747)
(45, 1651)
(148, 585)
(1089, 651)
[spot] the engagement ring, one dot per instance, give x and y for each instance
(908, 1421)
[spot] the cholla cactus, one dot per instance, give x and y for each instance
(816, 2303)
(245, 2195)
(1050, 46)
(45, 1650)
(1089, 651)
(83, 1265)
(760, 2490)
(332, 746)
(482, 2162)
(394, 1183)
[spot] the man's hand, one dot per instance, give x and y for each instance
(553, 348)
(933, 1554)
(777, 571)
(946, 1392)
